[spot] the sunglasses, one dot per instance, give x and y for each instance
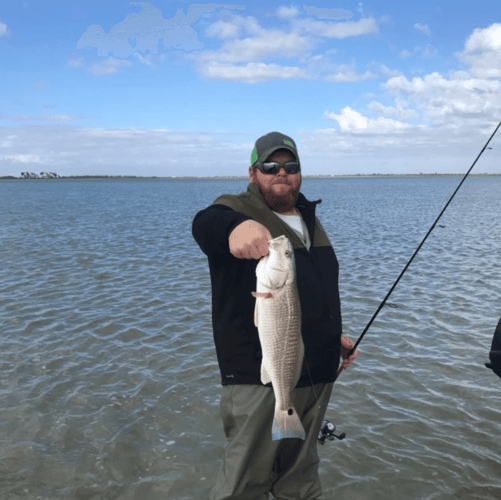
(291, 167)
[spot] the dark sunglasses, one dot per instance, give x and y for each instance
(291, 167)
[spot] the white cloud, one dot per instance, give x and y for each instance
(252, 72)
(273, 42)
(384, 70)
(328, 13)
(423, 28)
(348, 73)
(243, 60)
(436, 82)
(75, 62)
(287, 12)
(262, 44)
(146, 60)
(483, 52)
(352, 121)
(233, 28)
(321, 65)
(341, 30)
(31, 159)
(484, 39)
(108, 67)
(461, 98)
(7, 141)
(72, 150)
(3, 29)
(26, 117)
(401, 109)
(267, 43)
(429, 149)
(224, 29)
(62, 117)
(426, 51)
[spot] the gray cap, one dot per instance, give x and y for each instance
(269, 143)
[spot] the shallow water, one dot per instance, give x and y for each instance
(109, 384)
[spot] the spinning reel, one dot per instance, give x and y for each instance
(327, 432)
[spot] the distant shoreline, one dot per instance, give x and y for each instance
(347, 176)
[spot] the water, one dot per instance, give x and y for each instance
(109, 385)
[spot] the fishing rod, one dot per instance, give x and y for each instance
(415, 253)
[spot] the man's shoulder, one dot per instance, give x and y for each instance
(304, 202)
(234, 201)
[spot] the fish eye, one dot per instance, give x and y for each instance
(287, 253)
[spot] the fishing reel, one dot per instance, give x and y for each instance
(327, 432)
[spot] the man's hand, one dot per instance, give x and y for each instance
(346, 347)
(249, 240)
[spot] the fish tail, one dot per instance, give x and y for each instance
(286, 424)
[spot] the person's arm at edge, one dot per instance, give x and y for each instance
(212, 226)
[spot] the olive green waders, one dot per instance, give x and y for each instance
(252, 464)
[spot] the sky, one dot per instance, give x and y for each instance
(169, 88)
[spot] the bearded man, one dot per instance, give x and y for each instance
(234, 232)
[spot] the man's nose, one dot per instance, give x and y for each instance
(282, 171)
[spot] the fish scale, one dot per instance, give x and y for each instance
(278, 319)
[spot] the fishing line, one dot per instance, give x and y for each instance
(415, 253)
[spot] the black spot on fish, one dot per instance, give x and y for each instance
(290, 411)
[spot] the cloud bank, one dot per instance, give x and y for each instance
(439, 118)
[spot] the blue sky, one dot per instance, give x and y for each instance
(173, 88)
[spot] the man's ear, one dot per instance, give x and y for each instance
(252, 174)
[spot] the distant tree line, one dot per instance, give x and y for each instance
(43, 175)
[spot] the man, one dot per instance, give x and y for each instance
(495, 354)
(233, 232)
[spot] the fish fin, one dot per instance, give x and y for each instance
(265, 376)
(286, 424)
(256, 313)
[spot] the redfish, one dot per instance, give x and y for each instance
(277, 316)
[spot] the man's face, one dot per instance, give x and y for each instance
(280, 190)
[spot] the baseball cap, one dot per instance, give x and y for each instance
(269, 143)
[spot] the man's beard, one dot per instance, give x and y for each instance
(280, 202)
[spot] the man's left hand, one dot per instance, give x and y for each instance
(346, 347)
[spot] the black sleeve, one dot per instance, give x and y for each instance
(212, 226)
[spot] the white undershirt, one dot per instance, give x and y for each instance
(297, 223)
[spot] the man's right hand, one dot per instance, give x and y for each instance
(249, 240)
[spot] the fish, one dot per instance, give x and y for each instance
(277, 316)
